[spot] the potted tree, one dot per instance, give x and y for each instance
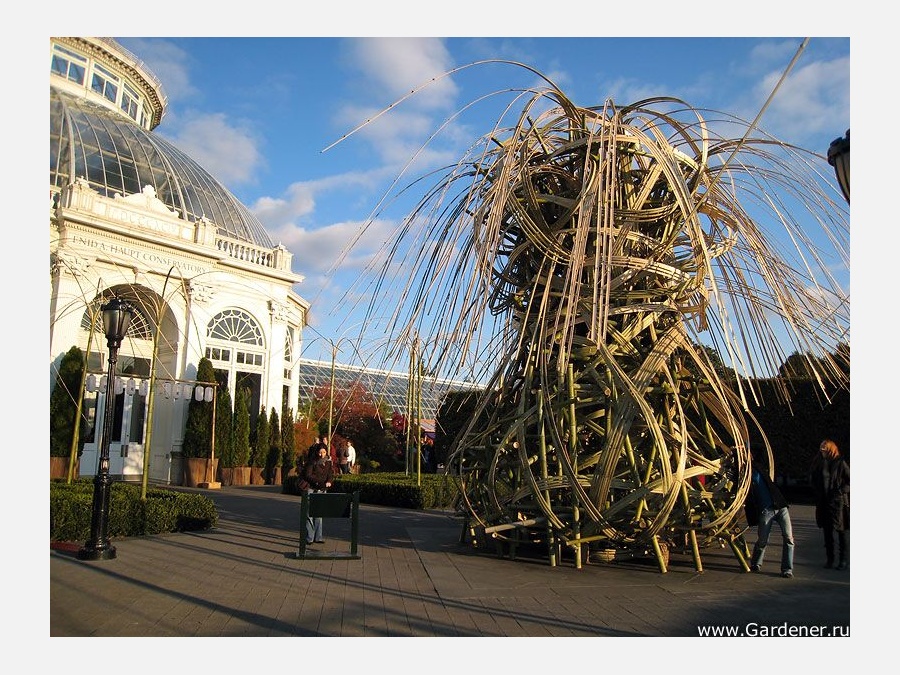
(260, 452)
(196, 451)
(224, 439)
(288, 456)
(64, 412)
(241, 438)
(273, 460)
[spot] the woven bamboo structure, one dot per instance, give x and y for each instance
(607, 245)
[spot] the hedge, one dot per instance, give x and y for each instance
(437, 491)
(163, 511)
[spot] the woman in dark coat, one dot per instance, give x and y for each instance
(317, 478)
(830, 477)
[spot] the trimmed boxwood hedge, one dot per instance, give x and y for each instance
(163, 511)
(437, 491)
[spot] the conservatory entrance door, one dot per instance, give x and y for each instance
(126, 444)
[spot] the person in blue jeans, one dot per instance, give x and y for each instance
(317, 476)
(765, 505)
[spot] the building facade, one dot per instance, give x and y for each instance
(133, 217)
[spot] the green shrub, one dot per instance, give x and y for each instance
(241, 428)
(198, 427)
(64, 404)
(224, 427)
(437, 491)
(288, 456)
(261, 446)
(163, 511)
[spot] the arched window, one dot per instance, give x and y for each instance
(138, 329)
(288, 362)
(235, 325)
(288, 350)
(236, 347)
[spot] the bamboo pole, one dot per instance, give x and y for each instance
(151, 392)
(660, 557)
(76, 430)
(211, 483)
(542, 448)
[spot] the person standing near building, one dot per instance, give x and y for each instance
(317, 475)
(765, 505)
(348, 458)
(830, 477)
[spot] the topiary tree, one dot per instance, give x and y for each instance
(241, 428)
(261, 445)
(224, 429)
(287, 440)
(64, 403)
(198, 429)
(273, 459)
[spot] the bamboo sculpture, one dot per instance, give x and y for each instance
(610, 243)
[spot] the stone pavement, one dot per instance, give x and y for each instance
(414, 578)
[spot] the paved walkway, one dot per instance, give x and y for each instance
(414, 578)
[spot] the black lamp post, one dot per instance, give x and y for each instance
(116, 317)
(839, 158)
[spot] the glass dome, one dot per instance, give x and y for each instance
(115, 155)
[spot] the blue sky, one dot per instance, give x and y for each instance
(259, 113)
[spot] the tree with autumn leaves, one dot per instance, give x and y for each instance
(355, 415)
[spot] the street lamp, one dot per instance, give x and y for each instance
(839, 158)
(116, 317)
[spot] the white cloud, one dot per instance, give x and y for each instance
(228, 151)
(388, 69)
(168, 62)
(317, 250)
(396, 66)
(771, 53)
(624, 91)
(814, 99)
(300, 199)
(399, 136)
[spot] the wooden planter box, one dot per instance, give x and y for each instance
(59, 467)
(275, 476)
(199, 470)
(240, 475)
(256, 475)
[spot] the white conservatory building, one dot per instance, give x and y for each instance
(133, 217)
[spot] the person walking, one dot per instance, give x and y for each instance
(830, 478)
(348, 458)
(317, 475)
(765, 505)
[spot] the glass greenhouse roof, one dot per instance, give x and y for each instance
(389, 386)
(116, 155)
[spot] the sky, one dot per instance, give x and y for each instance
(270, 118)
